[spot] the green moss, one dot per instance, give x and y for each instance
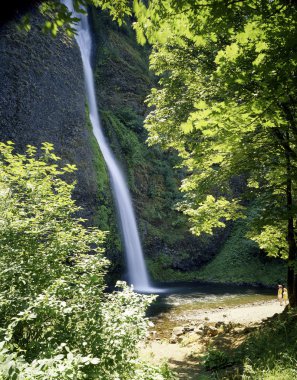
(239, 261)
(151, 179)
(103, 212)
(163, 273)
(123, 81)
(105, 217)
(125, 144)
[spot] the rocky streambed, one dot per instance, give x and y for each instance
(187, 325)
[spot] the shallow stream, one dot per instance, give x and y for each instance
(178, 304)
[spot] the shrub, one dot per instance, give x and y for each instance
(56, 321)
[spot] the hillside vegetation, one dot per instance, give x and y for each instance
(173, 253)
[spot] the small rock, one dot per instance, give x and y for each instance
(238, 330)
(180, 330)
(224, 315)
(199, 329)
(173, 339)
(248, 329)
(189, 339)
(189, 328)
(206, 318)
(219, 324)
(212, 331)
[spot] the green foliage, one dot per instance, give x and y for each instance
(38, 232)
(211, 214)
(215, 359)
(56, 320)
(58, 17)
(160, 268)
(117, 9)
(272, 240)
(280, 371)
(276, 360)
(268, 353)
(226, 101)
(239, 260)
(125, 143)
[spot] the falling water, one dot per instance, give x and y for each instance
(137, 272)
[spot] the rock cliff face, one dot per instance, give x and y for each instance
(43, 99)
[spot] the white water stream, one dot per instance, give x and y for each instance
(137, 273)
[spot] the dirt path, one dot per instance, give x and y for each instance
(183, 355)
(241, 314)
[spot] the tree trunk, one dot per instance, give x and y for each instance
(291, 277)
(292, 247)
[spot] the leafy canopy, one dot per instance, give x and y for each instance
(58, 16)
(226, 101)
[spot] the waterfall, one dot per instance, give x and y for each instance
(137, 273)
